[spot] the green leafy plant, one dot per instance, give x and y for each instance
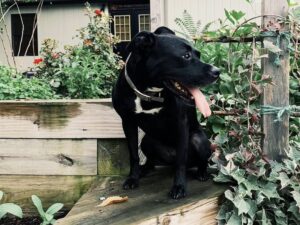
(86, 70)
(10, 208)
(14, 85)
(263, 191)
(48, 216)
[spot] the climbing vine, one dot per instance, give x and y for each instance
(263, 191)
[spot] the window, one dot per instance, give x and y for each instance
(28, 45)
(122, 27)
(144, 22)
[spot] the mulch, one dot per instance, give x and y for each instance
(24, 221)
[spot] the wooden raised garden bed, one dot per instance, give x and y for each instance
(55, 149)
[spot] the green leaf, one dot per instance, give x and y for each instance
(284, 180)
(54, 208)
(38, 204)
(237, 15)
(234, 219)
(228, 16)
(1, 194)
(269, 190)
(12, 209)
(296, 196)
(221, 138)
(241, 205)
(48, 217)
(229, 195)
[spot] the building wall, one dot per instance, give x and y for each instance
(57, 22)
(203, 10)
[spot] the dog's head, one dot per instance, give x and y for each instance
(171, 61)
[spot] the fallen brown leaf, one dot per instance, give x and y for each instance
(113, 200)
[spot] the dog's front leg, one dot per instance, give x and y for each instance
(131, 132)
(182, 138)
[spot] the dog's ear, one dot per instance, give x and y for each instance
(164, 30)
(143, 41)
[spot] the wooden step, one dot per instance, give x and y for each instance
(149, 204)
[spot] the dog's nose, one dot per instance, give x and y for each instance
(215, 72)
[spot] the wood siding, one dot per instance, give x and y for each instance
(59, 119)
(48, 157)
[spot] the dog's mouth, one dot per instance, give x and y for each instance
(181, 91)
(189, 95)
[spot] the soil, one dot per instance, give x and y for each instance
(24, 221)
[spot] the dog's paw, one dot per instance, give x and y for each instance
(177, 192)
(130, 183)
(202, 176)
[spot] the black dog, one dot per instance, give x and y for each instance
(153, 92)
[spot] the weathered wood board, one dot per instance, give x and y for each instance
(113, 157)
(276, 134)
(59, 119)
(48, 157)
(149, 204)
(51, 189)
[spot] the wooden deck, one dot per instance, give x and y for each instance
(149, 204)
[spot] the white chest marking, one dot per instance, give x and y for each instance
(154, 89)
(139, 109)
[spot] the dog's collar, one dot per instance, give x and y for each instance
(141, 95)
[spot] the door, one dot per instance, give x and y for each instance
(128, 20)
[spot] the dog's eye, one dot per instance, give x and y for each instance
(187, 55)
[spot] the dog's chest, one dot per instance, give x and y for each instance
(149, 108)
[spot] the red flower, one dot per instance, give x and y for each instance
(38, 61)
(98, 12)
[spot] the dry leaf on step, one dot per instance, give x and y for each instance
(113, 200)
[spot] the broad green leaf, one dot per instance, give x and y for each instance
(234, 219)
(221, 178)
(241, 205)
(296, 196)
(253, 208)
(221, 138)
(3, 213)
(225, 77)
(38, 204)
(228, 16)
(284, 180)
(54, 208)
(48, 217)
(237, 15)
(12, 209)
(229, 195)
(269, 190)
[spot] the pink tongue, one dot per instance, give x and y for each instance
(200, 101)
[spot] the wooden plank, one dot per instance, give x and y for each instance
(113, 157)
(48, 157)
(59, 119)
(149, 204)
(51, 189)
(276, 139)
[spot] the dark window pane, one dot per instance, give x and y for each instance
(29, 21)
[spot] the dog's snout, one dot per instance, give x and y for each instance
(215, 72)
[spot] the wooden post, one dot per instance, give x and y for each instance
(157, 8)
(276, 140)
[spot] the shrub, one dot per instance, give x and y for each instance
(87, 70)
(262, 191)
(14, 85)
